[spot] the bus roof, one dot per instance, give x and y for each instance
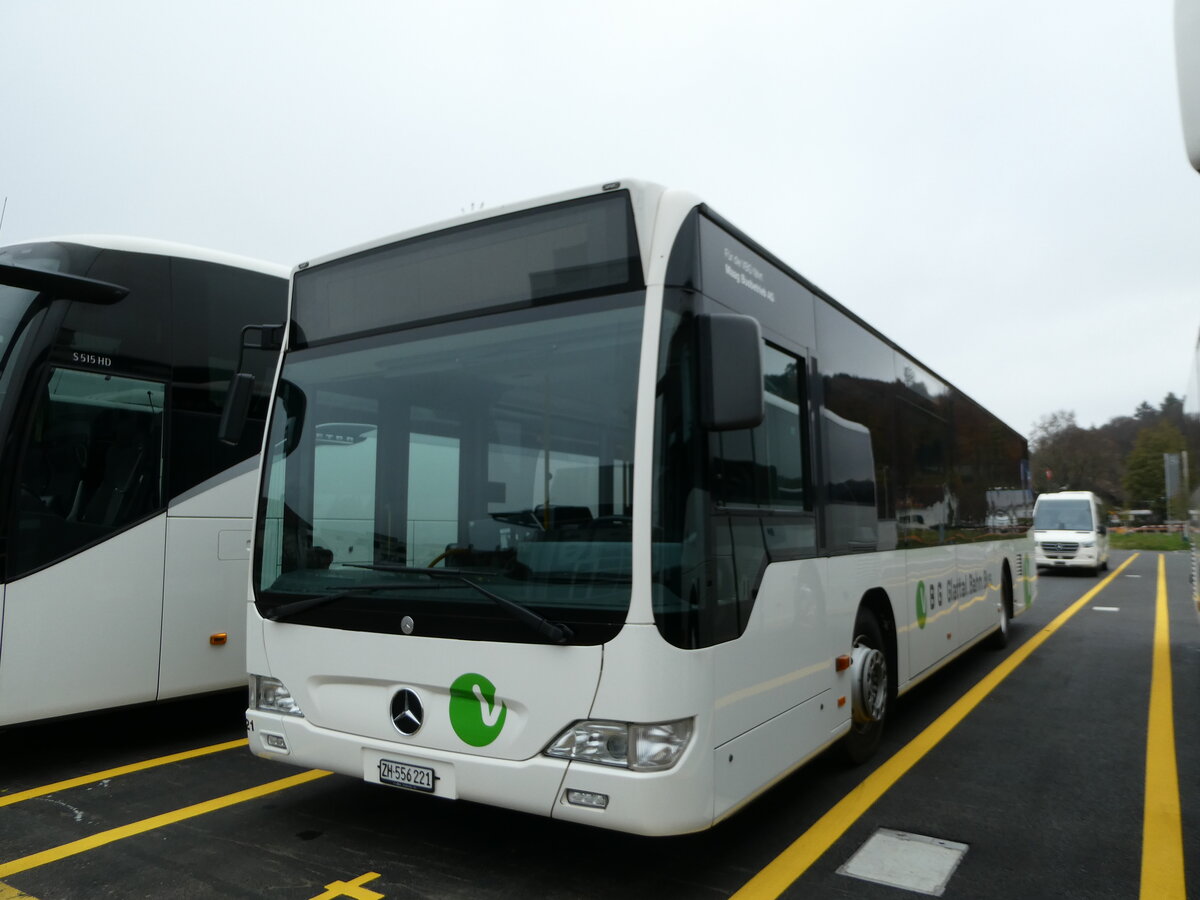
(163, 248)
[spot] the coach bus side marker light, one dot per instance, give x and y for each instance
(219, 639)
(912, 862)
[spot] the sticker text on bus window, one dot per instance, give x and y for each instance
(746, 274)
(92, 359)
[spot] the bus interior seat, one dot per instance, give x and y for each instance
(122, 468)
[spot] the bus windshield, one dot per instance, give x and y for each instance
(498, 448)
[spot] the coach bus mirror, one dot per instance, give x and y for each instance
(70, 287)
(237, 408)
(731, 374)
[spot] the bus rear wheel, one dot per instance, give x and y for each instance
(871, 693)
(999, 637)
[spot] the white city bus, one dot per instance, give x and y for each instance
(124, 523)
(591, 507)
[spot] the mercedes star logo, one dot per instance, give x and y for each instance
(407, 712)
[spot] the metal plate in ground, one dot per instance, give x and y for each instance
(909, 861)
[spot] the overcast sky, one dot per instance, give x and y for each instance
(999, 186)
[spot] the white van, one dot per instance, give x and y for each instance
(1068, 531)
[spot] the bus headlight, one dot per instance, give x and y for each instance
(270, 695)
(641, 747)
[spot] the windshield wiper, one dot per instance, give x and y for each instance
(579, 578)
(556, 632)
(287, 610)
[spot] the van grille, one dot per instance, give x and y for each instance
(1059, 547)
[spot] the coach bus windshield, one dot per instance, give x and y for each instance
(412, 477)
(14, 307)
(18, 306)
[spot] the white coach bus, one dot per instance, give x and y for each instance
(1187, 61)
(124, 523)
(591, 507)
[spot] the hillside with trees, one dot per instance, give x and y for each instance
(1122, 460)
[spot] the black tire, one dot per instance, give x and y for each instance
(863, 739)
(998, 639)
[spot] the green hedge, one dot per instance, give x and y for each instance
(1147, 540)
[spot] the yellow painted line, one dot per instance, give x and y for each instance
(114, 773)
(352, 889)
(8, 892)
(25, 863)
(793, 862)
(1162, 829)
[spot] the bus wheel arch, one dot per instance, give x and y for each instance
(873, 674)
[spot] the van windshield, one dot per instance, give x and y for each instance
(1063, 515)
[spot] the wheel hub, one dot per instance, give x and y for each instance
(868, 672)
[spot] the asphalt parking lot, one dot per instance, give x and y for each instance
(1037, 760)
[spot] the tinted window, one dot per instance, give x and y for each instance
(765, 466)
(575, 248)
(130, 336)
(857, 422)
(211, 305)
(92, 466)
(744, 279)
(725, 504)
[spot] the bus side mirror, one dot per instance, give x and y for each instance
(237, 409)
(731, 374)
(241, 388)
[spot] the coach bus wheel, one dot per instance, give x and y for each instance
(999, 637)
(870, 691)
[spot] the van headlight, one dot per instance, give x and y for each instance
(270, 695)
(1087, 543)
(642, 748)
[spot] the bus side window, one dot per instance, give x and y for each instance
(761, 487)
(764, 467)
(92, 464)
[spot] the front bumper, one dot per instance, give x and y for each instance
(1081, 558)
(649, 803)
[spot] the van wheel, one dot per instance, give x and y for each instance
(871, 693)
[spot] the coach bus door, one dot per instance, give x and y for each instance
(83, 603)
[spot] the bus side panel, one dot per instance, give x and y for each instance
(933, 627)
(979, 567)
(783, 657)
(89, 629)
(753, 762)
(204, 597)
(777, 689)
(207, 573)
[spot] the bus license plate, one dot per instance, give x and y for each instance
(398, 774)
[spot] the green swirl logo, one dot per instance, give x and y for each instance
(473, 710)
(920, 604)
